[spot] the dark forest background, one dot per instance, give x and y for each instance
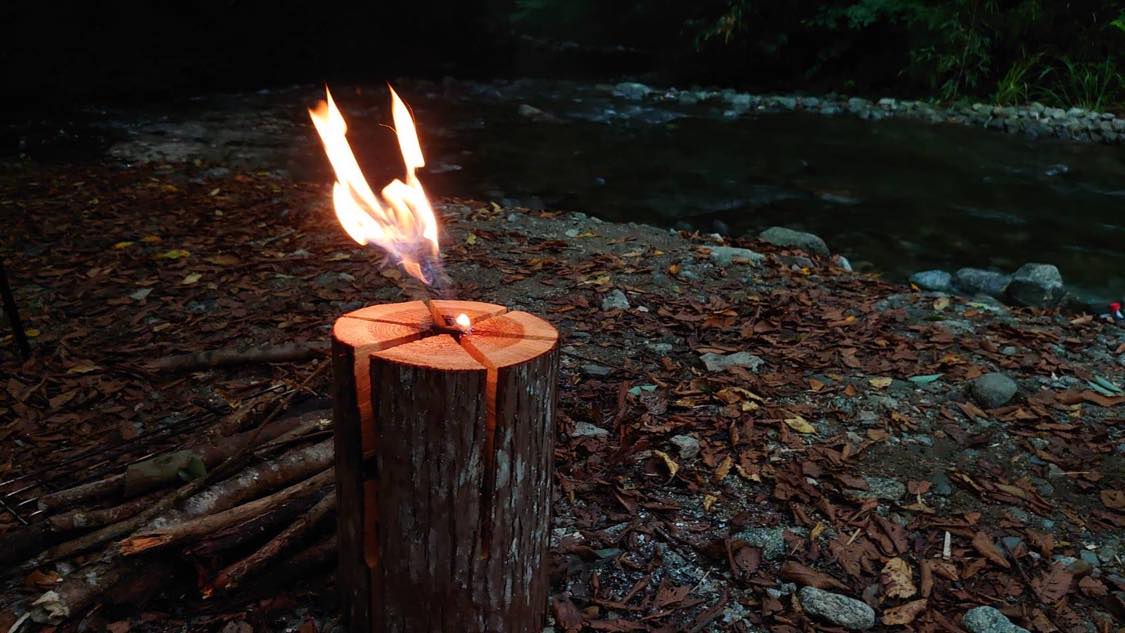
(1005, 51)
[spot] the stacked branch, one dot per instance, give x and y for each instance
(235, 504)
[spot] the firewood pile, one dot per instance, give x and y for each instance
(232, 502)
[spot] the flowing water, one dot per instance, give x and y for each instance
(895, 196)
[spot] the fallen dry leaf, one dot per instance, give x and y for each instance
(800, 425)
(984, 545)
(673, 467)
(904, 613)
(897, 577)
(802, 575)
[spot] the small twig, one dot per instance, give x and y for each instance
(232, 574)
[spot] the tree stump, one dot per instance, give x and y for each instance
(444, 444)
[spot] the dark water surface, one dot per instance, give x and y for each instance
(894, 196)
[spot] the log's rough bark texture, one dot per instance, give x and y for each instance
(444, 473)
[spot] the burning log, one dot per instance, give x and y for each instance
(444, 435)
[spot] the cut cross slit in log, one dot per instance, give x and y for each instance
(443, 448)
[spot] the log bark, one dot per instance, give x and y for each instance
(120, 578)
(249, 483)
(444, 451)
(268, 523)
(211, 452)
(233, 574)
(206, 524)
(84, 519)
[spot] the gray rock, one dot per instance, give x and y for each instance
(688, 446)
(660, 348)
(615, 300)
(1036, 285)
(585, 429)
(631, 90)
(977, 281)
(838, 609)
(941, 485)
(720, 362)
(535, 114)
(842, 262)
(596, 371)
(770, 540)
(727, 255)
(989, 620)
(740, 100)
(994, 390)
(882, 488)
(937, 280)
(781, 236)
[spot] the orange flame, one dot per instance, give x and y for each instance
(463, 322)
(403, 223)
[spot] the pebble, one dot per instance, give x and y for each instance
(985, 282)
(727, 255)
(615, 300)
(1036, 285)
(842, 262)
(596, 371)
(836, 608)
(1089, 557)
(936, 280)
(882, 488)
(585, 429)
(994, 390)
(631, 90)
(941, 485)
(781, 236)
(989, 620)
(771, 540)
(719, 362)
(688, 446)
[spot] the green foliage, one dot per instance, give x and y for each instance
(1087, 85)
(1017, 85)
(1009, 50)
(1119, 23)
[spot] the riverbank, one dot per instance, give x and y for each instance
(741, 423)
(1033, 121)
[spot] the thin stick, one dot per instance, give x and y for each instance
(219, 357)
(208, 523)
(231, 575)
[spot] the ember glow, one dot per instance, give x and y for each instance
(463, 322)
(400, 220)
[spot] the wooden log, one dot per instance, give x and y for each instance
(124, 580)
(206, 524)
(211, 451)
(220, 357)
(83, 518)
(444, 447)
(248, 483)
